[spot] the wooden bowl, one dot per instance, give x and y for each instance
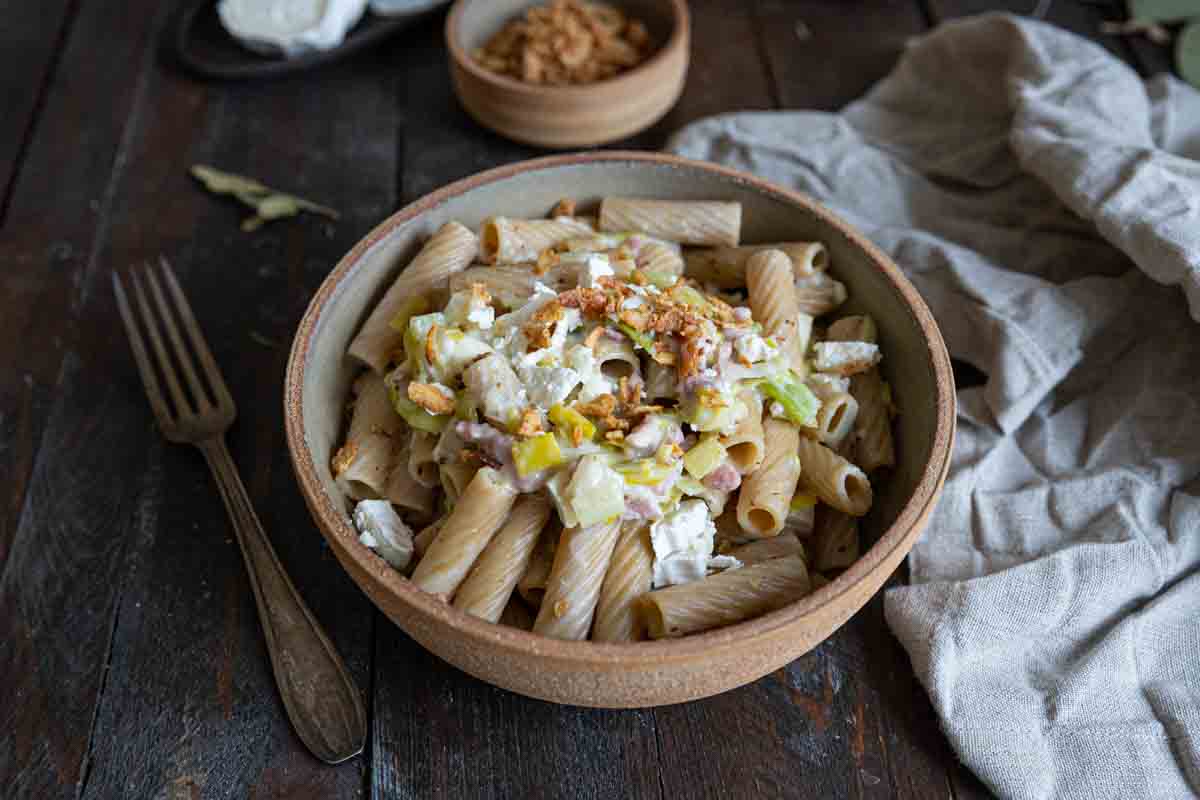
(568, 116)
(643, 673)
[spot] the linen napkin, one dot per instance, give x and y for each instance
(1045, 201)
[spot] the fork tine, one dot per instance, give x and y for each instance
(207, 362)
(149, 379)
(160, 350)
(181, 353)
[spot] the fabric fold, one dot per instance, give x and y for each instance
(1045, 202)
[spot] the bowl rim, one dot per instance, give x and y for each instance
(680, 33)
(604, 655)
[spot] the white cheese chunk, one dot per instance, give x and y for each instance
(595, 267)
(381, 529)
(751, 347)
(845, 358)
(289, 27)
(683, 544)
(596, 491)
(547, 386)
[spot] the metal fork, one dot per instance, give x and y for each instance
(321, 699)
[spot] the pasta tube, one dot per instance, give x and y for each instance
(421, 464)
(874, 445)
(504, 240)
(834, 479)
(630, 575)
(659, 258)
(476, 517)
(745, 447)
(364, 461)
(684, 222)
(448, 251)
(455, 479)
(835, 543)
(725, 267)
(769, 279)
(819, 294)
(725, 598)
(532, 586)
(425, 538)
(403, 491)
(767, 493)
(835, 419)
(785, 544)
(512, 284)
(575, 580)
(489, 587)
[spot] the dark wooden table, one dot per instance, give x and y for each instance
(131, 660)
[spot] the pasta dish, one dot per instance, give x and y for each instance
(615, 427)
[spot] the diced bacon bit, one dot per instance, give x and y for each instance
(598, 407)
(431, 344)
(480, 293)
(563, 208)
(531, 423)
(545, 260)
(540, 328)
(615, 436)
(430, 398)
(593, 337)
(344, 457)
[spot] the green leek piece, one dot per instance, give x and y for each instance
(536, 453)
(704, 457)
(414, 415)
(640, 339)
(568, 420)
(800, 405)
(267, 203)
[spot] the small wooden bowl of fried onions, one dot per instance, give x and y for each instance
(557, 110)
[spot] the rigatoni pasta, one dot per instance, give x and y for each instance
(448, 251)
(630, 575)
(598, 439)
(683, 222)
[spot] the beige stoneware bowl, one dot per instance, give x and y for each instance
(568, 116)
(643, 673)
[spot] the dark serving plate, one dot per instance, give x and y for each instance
(204, 47)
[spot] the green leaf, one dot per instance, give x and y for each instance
(1163, 10)
(1187, 53)
(267, 203)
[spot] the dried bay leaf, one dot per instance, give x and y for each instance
(267, 203)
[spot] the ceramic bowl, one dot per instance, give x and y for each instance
(568, 116)
(644, 673)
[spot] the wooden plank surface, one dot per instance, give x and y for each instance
(31, 40)
(197, 708)
(75, 480)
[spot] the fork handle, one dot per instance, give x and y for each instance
(321, 700)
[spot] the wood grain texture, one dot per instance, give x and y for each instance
(823, 55)
(57, 209)
(31, 40)
(197, 707)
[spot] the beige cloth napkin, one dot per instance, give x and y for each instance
(1039, 194)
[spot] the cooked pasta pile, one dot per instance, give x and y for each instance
(597, 433)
